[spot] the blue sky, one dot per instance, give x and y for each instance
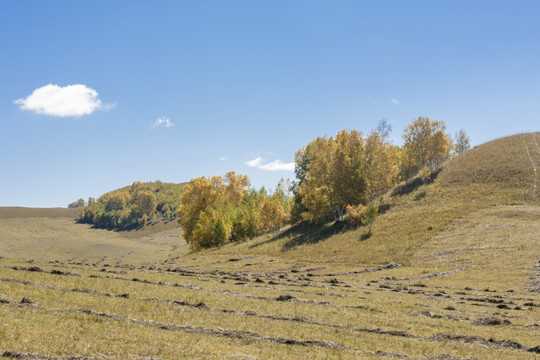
(172, 90)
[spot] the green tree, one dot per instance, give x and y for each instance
(370, 214)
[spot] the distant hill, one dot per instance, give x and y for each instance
(134, 206)
(13, 212)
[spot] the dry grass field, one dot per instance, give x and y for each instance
(451, 271)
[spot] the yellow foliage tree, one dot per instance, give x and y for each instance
(334, 174)
(236, 186)
(424, 174)
(145, 202)
(211, 229)
(197, 195)
(382, 164)
(425, 143)
(272, 214)
(116, 200)
(207, 209)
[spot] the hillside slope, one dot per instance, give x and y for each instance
(501, 172)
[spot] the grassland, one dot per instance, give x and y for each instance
(451, 271)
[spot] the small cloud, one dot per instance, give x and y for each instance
(71, 100)
(222, 158)
(394, 101)
(255, 162)
(108, 107)
(275, 165)
(163, 121)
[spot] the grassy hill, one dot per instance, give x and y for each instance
(134, 206)
(449, 272)
(496, 173)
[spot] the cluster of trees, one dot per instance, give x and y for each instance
(338, 178)
(347, 170)
(133, 205)
(346, 174)
(222, 209)
(77, 204)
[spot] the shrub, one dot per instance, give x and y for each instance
(372, 210)
(355, 214)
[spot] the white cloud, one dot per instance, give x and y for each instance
(222, 158)
(255, 162)
(163, 121)
(394, 101)
(275, 165)
(70, 100)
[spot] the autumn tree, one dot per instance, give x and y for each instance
(197, 195)
(145, 203)
(461, 142)
(236, 186)
(211, 229)
(247, 219)
(381, 164)
(116, 200)
(424, 174)
(333, 175)
(272, 214)
(425, 143)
